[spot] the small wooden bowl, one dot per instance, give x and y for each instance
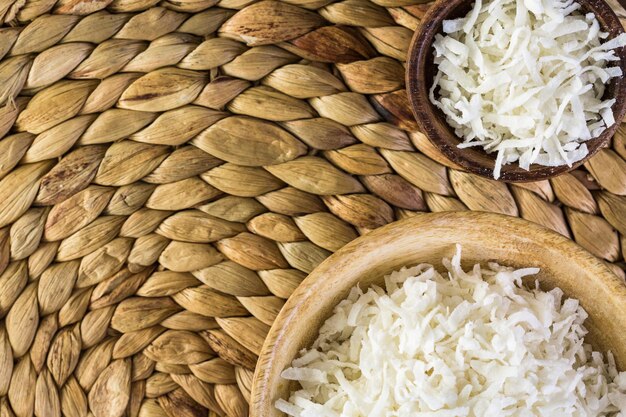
(419, 79)
(429, 238)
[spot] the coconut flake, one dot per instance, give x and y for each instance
(514, 70)
(464, 343)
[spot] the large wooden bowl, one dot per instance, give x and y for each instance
(429, 238)
(419, 78)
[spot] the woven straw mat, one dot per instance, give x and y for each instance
(171, 170)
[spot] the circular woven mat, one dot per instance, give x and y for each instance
(171, 170)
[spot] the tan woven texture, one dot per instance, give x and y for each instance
(171, 170)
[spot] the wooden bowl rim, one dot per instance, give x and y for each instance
(261, 404)
(426, 113)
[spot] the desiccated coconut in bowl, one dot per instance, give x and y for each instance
(455, 343)
(525, 79)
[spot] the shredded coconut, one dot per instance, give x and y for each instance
(474, 344)
(525, 79)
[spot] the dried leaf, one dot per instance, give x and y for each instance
(356, 13)
(74, 213)
(609, 169)
(200, 391)
(203, 300)
(613, 208)
(346, 108)
(253, 252)
(255, 331)
(266, 103)
(178, 403)
(420, 171)
(56, 141)
(358, 160)
(383, 135)
(129, 198)
(178, 347)
(196, 226)
(184, 162)
(282, 282)
(325, 230)
(47, 402)
(483, 194)
(134, 342)
(249, 142)
(90, 238)
(72, 174)
(64, 354)
(315, 175)
(12, 148)
(110, 394)
(151, 24)
(374, 76)
(163, 89)
(535, 209)
(138, 313)
(212, 53)
(360, 210)
(12, 281)
(18, 190)
(103, 262)
(276, 227)
(21, 393)
(229, 349)
(231, 401)
(6, 362)
(292, 202)
(73, 399)
(233, 208)
(573, 193)
(42, 33)
(53, 105)
(304, 81)
(164, 283)
(304, 256)
(55, 286)
(263, 308)
(257, 62)
(22, 321)
(184, 257)
(338, 44)
(92, 362)
(594, 234)
(231, 278)
(181, 194)
(55, 63)
(108, 58)
(177, 126)
(220, 91)
(25, 233)
(321, 133)
(242, 181)
(269, 22)
(115, 124)
(214, 371)
(127, 161)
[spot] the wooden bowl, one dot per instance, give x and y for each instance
(429, 238)
(419, 79)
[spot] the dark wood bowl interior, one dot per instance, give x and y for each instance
(421, 70)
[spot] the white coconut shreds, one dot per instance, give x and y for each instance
(525, 79)
(473, 343)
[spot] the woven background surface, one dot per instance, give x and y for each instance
(170, 170)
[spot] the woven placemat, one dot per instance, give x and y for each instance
(171, 170)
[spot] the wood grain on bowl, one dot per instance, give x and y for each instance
(419, 78)
(428, 238)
